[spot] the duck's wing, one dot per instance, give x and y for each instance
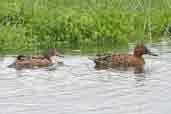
(37, 57)
(120, 59)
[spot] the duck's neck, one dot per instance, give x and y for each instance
(138, 55)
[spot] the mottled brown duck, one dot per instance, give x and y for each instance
(117, 60)
(31, 62)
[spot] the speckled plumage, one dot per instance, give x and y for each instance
(31, 62)
(103, 61)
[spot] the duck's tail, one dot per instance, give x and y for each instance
(19, 57)
(13, 65)
(101, 61)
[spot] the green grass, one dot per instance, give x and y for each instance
(88, 25)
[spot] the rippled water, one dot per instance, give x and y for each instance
(77, 88)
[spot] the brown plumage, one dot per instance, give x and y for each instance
(104, 61)
(30, 62)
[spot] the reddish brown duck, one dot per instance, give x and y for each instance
(31, 62)
(136, 60)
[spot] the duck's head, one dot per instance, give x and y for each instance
(140, 49)
(48, 53)
(51, 54)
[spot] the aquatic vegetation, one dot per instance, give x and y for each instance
(31, 25)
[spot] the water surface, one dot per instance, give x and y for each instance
(77, 88)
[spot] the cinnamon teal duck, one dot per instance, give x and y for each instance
(135, 60)
(31, 62)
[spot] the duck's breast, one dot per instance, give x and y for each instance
(136, 61)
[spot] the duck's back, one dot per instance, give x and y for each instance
(32, 63)
(41, 62)
(118, 60)
(127, 60)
